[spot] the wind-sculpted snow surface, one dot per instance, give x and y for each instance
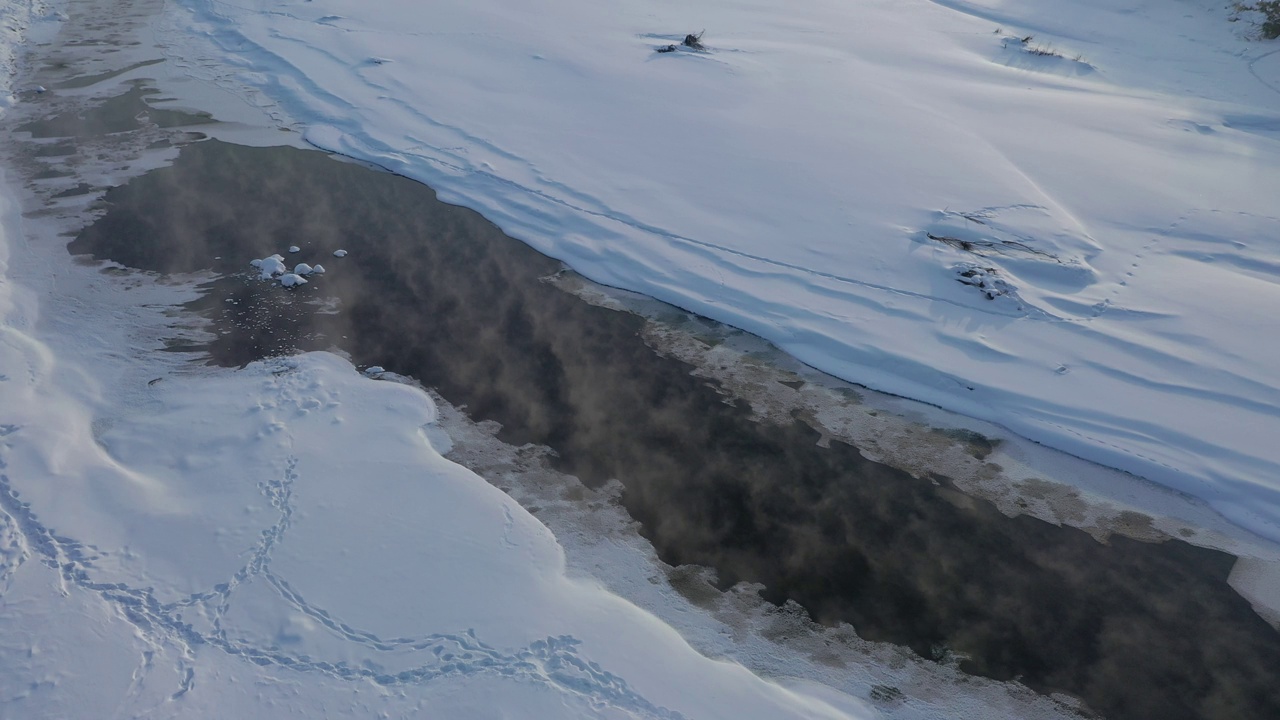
(1057, 216)
(293, 516)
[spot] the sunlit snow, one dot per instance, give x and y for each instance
(1059, 216)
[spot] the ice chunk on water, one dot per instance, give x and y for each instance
(302, 269)
(271, 267)
(294, 248)
(291, 279)
(339, 253)
(317, 269)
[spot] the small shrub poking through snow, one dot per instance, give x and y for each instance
(694, 41)
(1029, 46)
(691, 41)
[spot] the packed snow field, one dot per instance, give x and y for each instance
(1058, 216)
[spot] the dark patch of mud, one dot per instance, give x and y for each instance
(435, 292)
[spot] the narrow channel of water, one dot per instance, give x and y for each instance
(435, 292)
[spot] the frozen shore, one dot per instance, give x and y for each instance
(186, 542)
(181, 541)
(1072, 236)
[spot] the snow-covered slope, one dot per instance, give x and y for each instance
(286, 536)
(16, 18)
(1060, 216)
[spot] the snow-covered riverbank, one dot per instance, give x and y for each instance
(1072, 235)
(161, 540)
(180, 541)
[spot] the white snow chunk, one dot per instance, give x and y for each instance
(271, 267)
(374, 370)
(291, 279)
(317, 269)
(339, 253)
(302, 269)
(294, 248)
(256, 262)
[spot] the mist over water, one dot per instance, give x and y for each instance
(436, 292)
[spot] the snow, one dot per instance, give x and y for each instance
(273, 268)
(283, 516)
(269, 267)
(339, 253)
(294, 249)
(283, 539)
(286, 539)
(1074, 237)
(19, 17)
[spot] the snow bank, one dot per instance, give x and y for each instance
(294, 515)
(1074, 236)
(178, 541)
(16, 19)
(285, 539)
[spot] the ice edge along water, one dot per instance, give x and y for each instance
(1076, 245)
(127, 472)
(176, 546)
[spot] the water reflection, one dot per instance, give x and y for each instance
(436, 292)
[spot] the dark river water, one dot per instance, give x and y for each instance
(435, 292)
